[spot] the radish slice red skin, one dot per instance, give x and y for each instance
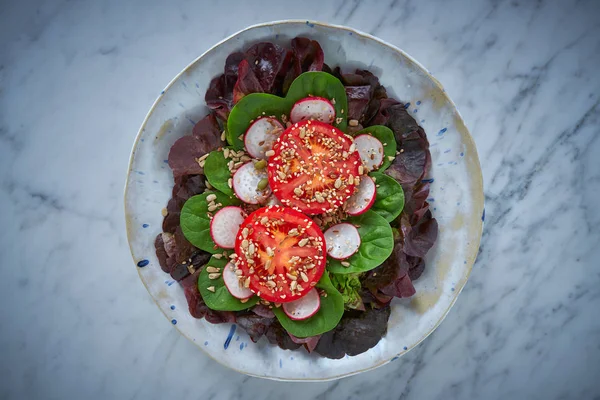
(347, 230)
(232, 283)
(230, 216)
(323, 110)
(245, 181)
(260, 131)
(312, 300)
(368, 145)
(360, 189)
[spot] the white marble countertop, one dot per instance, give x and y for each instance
(76, 80)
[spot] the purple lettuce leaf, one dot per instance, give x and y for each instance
(219, 96)
(255, 325)
(357, 332)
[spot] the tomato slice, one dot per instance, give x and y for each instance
(315, 168)
(280, 254)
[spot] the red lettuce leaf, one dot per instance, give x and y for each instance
(183, 155)
(422, 236)
(306, 55)
(277, 335)
(247, 82)
(161, 253)
(219, 96)
(309, 342)
(255, 325)
(357, 332)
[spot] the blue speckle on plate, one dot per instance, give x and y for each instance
(430, 180)
(162, 92)
(169, 283)
(242, 346)
(442, 131)
(229, 336)
(422, 120)
(166, 161)
(452, 289)
(309, 24)
(155, 181)
(405, 348)
(431, 199)
(197, 85)
(464, 262)
(172, 307)
(415, 110)
(418, 102)
(462, 154)
(280, 363)
(183, 83)
(192, 121)
(447, 151)
(174, 321)
(145, 225)
(395, 358)
(206, 343)
(292, 358)
(237, 339)
(407, 105)
(143, 263)
(181, 105)
(482, 216)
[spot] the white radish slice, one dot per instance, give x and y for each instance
(370, 151)
(363, 198)
(304, 307)
(225, 225)
(261, 135)
(342, 240)
(234, 284)
(316, 108)
(245, 184)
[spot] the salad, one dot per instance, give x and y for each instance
(299, 204)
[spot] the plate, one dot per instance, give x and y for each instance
(456, 200)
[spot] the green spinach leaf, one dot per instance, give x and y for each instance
(389, 201)
(377, 243)
(255, 105)
(249, 108)
(386, 137)
(217, 172)
(323, 85)
(329, 314)
(220, 299)
(195, 222)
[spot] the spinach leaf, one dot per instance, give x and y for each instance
(255, 105)
(220, 299)
(249, 108)
(327, 318)
(377, 243)
(389, 201)
(217, 172)
(386, 137)
(195, 222)
(324, 85)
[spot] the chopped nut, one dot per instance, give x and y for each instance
(303, 276)
(345, 263)
(218, 256)
(211, 197)
(270, 153)
(210, 269)
(230, 183)
(211, 289)
(212, 207)
(214, 275)
(303, 242)
(290, 276)
(353, 122)
(391, 158)
(164, 212)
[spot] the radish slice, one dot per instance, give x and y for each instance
(370, 150)
(261, 135)
(245, 184)
(225, 225)
(342, 240)
(304, 307)
(313, 108)
(363, 198)
(234, 284)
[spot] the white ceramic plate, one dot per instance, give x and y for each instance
(456, 199)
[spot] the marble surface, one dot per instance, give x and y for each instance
(76, 80)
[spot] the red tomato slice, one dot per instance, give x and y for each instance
(280, 254)
(315, 168)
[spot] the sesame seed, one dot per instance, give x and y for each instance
(270, 153)
(290, 276)
(211, 289)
